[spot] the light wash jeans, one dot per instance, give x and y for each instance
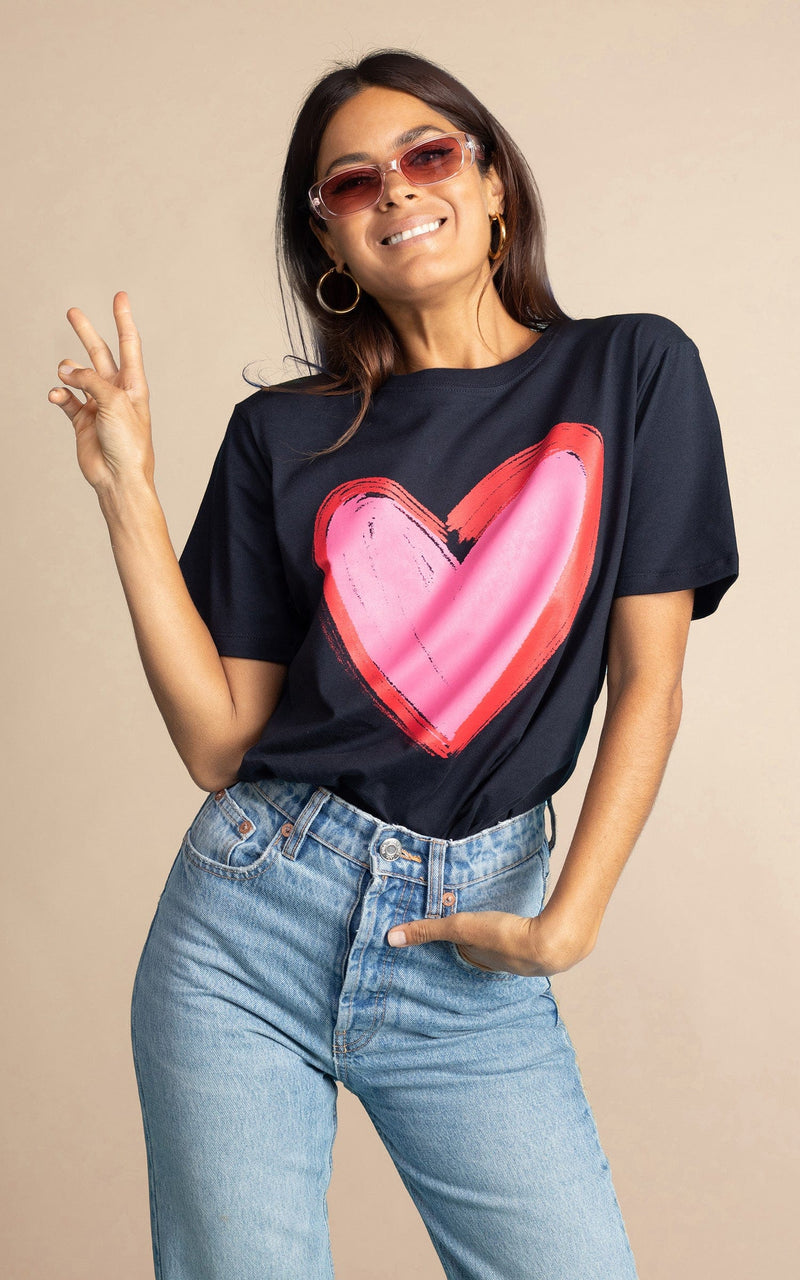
(266, 978)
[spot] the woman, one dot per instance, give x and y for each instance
(408, 577)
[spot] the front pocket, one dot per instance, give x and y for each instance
(476, 968)
(236, 833)
(518, 889)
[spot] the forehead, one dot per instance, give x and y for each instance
(369, 124)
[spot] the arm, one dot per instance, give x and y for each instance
(214, 708)
(647, 644)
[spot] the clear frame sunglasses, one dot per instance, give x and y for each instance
(433, 160)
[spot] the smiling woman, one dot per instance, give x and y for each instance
(368, 311)
(379, 654)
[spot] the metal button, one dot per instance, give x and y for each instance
(448, 898)
(287, 828)
(245, 826)
(219, 794)
(391, 849)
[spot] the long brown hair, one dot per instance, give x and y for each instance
(357, 351)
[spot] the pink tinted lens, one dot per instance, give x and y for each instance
(432, 161)
(351, 190)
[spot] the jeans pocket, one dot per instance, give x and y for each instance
(476, 968)
(236, 833)
(518, 889)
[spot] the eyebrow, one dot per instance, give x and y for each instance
(410, 135)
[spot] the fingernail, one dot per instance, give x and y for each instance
(397, 938)
(64, 370)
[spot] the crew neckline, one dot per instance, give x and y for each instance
(493, 375)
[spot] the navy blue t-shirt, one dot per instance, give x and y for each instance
(440, 586)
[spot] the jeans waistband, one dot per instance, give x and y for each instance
(399, 849)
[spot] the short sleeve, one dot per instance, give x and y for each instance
(231, 562)
(679, 531)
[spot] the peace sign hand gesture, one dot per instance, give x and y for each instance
(112, 427)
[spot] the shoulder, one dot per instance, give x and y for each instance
(632, 346)
(266, 390)
(272, 402)
(287, 418)
(643, 331)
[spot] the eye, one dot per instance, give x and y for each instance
(430, 155)
(350, 182)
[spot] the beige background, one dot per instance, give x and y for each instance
(142, 149)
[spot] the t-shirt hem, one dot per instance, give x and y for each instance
(694, 576)
(236, 646)
(710, 581)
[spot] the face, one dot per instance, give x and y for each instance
(423, 265)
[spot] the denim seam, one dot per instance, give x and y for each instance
(490, 975)
(390, 959)
(153, 1202)
(454, 845)
(467, 884)
(356, 900)
(462, 884)
(263, 863)
(412, 1191)
(335, 849)
(270, 800)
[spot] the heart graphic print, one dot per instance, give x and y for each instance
(445, 620)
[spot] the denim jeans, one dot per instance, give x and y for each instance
(266, 980)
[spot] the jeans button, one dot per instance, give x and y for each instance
(287, 828)
(391, 849)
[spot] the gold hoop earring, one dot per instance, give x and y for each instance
(335, 311)
(497, 217)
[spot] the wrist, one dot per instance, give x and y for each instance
(129, 500)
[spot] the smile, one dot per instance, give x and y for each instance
(422, 230)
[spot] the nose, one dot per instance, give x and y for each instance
(395, 185)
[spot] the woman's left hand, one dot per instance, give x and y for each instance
(533, 946)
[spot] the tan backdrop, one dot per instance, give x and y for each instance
(142, 150)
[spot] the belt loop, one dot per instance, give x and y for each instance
(437, 855)
(551, 843)
(304, 819)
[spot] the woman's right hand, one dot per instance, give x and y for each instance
(112, 428)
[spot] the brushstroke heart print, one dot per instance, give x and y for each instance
(444, 620)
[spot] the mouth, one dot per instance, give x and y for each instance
(413, 233)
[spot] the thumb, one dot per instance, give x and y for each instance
(414, 931)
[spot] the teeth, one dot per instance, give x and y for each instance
(415, 231)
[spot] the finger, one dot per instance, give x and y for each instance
(87, 381)
(130, 344)
(97, 349)
(65, 400)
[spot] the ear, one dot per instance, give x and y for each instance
(324, 239)
(495, 191)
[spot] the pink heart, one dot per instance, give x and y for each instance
(443, 644)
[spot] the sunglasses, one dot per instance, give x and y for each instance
(434, 160)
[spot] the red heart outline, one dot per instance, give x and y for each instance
(469, 518)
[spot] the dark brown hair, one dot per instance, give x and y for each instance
(358, 350)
